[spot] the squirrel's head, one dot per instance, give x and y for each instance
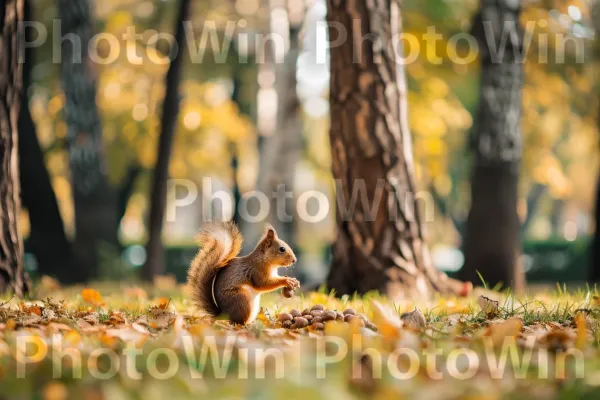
(276, 250)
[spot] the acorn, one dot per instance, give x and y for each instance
(287, 292)
(287, 324)
(306, 311)
(349, 311)
(329, 315)
(317, 319)
(308, 317)
(339, 316)
(319, 326)
(295, 313)
(353, 318)
(299, 323)
(316, 313)
(284, 317)
(318, 307)
(371, 326)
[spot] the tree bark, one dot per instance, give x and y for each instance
(47, 239)
(594, 269)
(492, 240)
(12, 272)
(283, 149)
(155, 263)
(594, 273)
(95, 200)
(382, 248)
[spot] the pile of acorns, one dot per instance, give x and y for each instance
(316, 317)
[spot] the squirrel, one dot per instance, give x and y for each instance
(223, 284)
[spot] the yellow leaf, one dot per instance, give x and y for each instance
(582, 336)
(509, 328)
(10, 325)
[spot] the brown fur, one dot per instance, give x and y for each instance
(239, 279)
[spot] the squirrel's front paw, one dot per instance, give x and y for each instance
(292, 283)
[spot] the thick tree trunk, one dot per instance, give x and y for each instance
(47, 239)
(155, 263)
(594, 273)
(594, 269)
(12, 273)
(95, 200)
(384, 249)
(492, 240)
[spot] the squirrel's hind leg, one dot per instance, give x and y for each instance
(243, 306)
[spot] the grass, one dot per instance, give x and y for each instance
(119, 340)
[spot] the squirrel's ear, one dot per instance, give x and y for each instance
(268, 237)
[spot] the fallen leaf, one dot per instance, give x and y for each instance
(33, 309)
(582, 335)
(386, 319)
(91, 296)
(489, 306)
(414, 319)
(501, 330)
(162, 303)
(55, 391)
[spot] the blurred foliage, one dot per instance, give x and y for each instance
(558, 124)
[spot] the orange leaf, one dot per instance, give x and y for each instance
(163, 303)
(37, 310)
(91, 296)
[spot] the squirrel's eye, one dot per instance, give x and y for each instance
(282, 249)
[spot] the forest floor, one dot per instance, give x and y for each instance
(122, 341)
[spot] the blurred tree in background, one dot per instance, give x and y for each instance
(94, 198)
(47, 237)
(155, 260)
(12, 274)
(492, 239)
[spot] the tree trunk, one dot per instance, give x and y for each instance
(594, 273)
(283, 149)
(47, 239)
(594, 269)
(95, 200)
(492, 240)
(239, 81)
(12, 272)
(155, 263)
(382, 248)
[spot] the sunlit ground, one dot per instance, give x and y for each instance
(115, 340)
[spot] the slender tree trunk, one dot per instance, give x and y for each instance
(492, 240)
(155, 263)
(95, 200)
(239, 83)
(47, 239)
(382, 248)
(12, 272)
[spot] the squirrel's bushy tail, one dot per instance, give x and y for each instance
(219, 243)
